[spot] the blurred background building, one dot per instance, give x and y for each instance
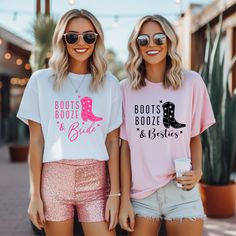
(14, 74)
(191, 28)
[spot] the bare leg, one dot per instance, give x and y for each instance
(59, 228)
(97, 229)
(185, 227)
(146, 226)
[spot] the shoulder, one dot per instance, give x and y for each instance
(111, 80)
(125, 83)
(43, 73)
(192, 78)
(40, 76)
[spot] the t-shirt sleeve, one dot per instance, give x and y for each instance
(29, 106)
(202, 115)
(116, 108)
(123, 134)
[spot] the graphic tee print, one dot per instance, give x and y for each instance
(158, 124)
(74, 125)
(155, 115)
(74, 110)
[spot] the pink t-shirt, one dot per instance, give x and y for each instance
(158, 124)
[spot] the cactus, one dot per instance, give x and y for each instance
(42, 29)
(219, 140)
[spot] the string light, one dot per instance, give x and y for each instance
(13, 81)
(71, 2)
(18, 81)
(7, 56)
(49, 54)
(116, 21)
(19, 61)
(27, 66)
(22, 82)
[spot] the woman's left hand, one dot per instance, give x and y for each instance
(112, 211)
(189, 179)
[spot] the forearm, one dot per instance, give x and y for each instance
(112, 145)
(35, 167)
(35, 157)
(125, 170)
(196, 153)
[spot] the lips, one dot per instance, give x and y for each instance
(153, 52)
(81, 50)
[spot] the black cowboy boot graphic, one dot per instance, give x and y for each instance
(169, 116)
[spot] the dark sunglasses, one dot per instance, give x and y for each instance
(73, 37)
(144, 39)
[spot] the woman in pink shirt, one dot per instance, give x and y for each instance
(165, 109)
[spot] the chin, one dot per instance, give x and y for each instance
(80, 58)
(154, 61)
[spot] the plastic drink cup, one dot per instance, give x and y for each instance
(182, 165)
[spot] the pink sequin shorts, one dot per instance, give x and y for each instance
(68, 184)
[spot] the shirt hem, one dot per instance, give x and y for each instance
(148, 192)
(206, 126)
(26, 119)
(46, 160)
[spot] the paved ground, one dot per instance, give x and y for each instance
(14, 200)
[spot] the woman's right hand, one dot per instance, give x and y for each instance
(126, 216)
(36, 213)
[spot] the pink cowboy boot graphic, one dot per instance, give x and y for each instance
(87, 113)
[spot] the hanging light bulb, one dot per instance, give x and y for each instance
(116, 22)
(19, 61)
(71, 2)
(27, 66)
(7, 56)
(15, 14)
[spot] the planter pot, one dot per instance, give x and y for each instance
(218, 201)
(18, 153)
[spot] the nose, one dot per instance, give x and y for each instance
(151, 42)
(80, 36)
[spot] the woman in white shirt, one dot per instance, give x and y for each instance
(73, 110)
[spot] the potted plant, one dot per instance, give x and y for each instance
(217, 190)
(18, 149)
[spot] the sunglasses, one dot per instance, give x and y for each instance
(144, 39)
(73, 37)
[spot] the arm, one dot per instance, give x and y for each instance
(191, 178)
(35, 209)
(126, 216)
(196, 155)
(112, 207)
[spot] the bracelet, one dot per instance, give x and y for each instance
(114, 195)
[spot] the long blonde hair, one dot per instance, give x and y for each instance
(59, 61)
(135, 65)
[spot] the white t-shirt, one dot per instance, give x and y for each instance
(74, 125)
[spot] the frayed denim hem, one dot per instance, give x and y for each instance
(150, 217)
(202, 217)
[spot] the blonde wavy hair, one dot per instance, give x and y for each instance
(59, 61)
(135, 65)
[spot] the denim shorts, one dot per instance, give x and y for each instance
(170, 203)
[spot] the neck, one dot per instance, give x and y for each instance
(156, 72)
(79, 67)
